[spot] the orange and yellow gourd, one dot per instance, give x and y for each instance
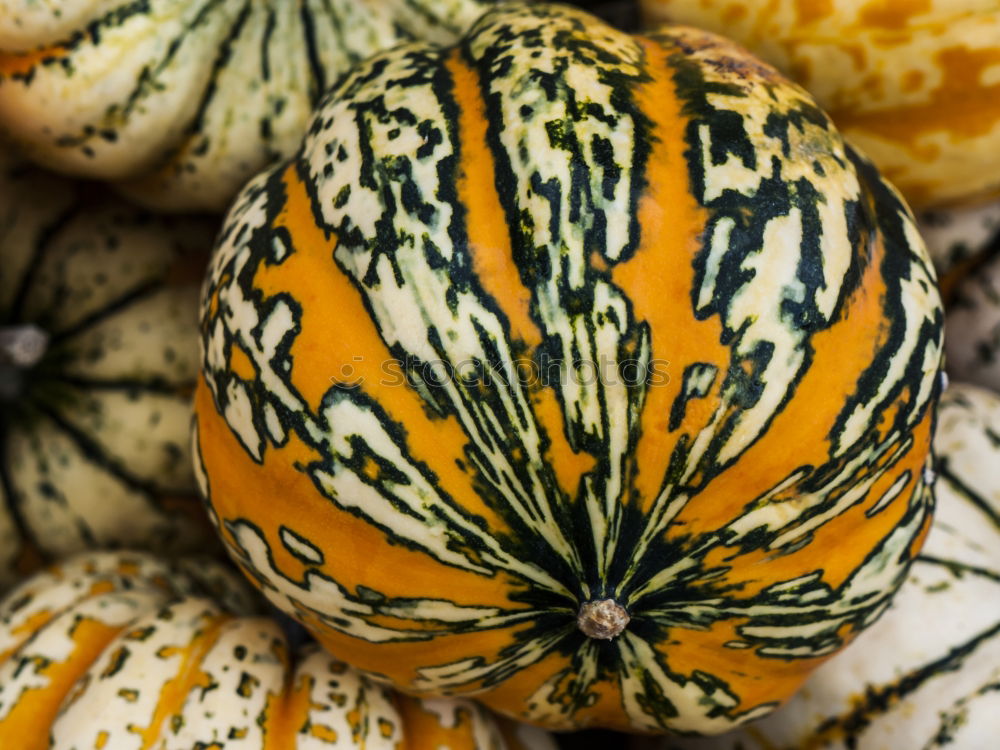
(588, 374)
(912, 82)
(124, 651)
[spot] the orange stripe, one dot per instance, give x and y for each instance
(174, 692)
(287, 712)
(893, 15)
(753, 679)
(26, 629)
(339, 342)
(423, 729)
(26, 726)
(21, 63)
(804, 422)
(509, 696)
(240, 364)
(658, 279)
(278, 493)
(399, 661)
(810, 11)
(761, 568)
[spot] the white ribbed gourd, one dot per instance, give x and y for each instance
(181, 101)
(98, 358)
(122, 651)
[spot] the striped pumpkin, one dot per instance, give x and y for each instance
(501, 373)
(973, 324)
(182, 101)
(926, 675)
(98, 358)
(912, 83)
(123, 651)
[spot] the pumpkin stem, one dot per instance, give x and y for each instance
(603, 619)
(22, 346)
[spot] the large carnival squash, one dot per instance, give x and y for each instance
(123, 651)
(587, 373)
(911, 82)
(98, 360)
(926, 675)
(183, 102)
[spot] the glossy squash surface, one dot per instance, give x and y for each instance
(184, 101)
(926, 674)
(586, 373)
(122, 651)
(912, 82)
(98, 360)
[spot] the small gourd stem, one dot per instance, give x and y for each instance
(22, 346)
(603, 620)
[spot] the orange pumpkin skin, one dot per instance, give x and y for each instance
(911, 82)
(553, 191)
(898, 686)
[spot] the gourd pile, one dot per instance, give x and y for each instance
(542, 374)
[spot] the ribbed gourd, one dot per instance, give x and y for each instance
(98, 361)
(586, 373)
(926, 674)
(913, 83)
(959, 238)
(124, 651)
(182, 101)
(973, 324)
